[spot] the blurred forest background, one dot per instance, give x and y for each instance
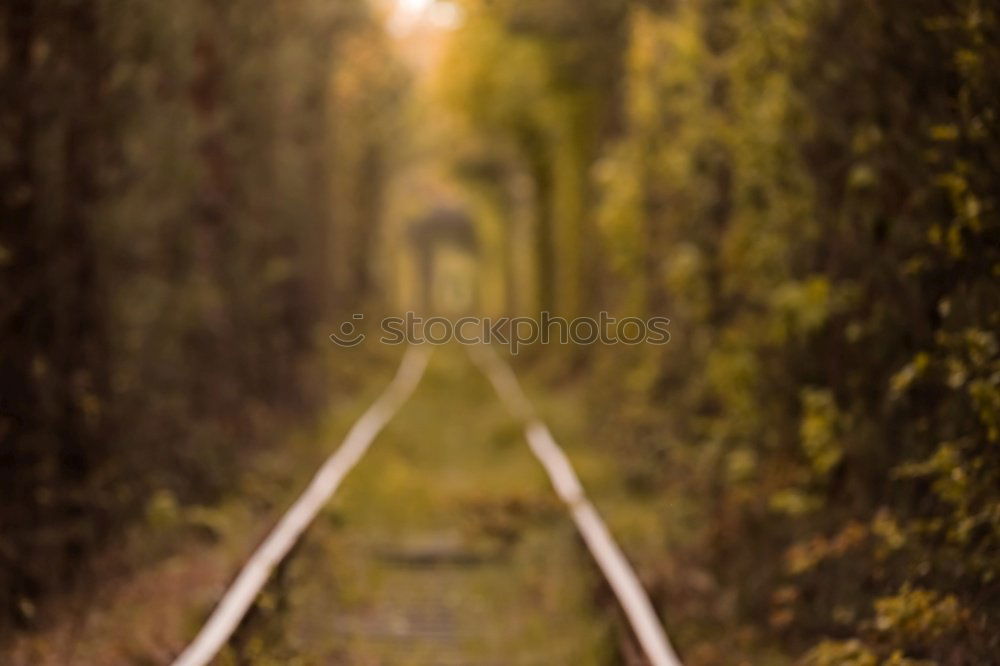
(170, 172)
(809, 190)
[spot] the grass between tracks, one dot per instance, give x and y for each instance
(446, 545)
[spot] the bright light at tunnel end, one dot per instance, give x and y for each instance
(409, 14)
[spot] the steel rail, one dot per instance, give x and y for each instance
(601, 544)
(254, 575)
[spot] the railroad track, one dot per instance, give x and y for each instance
(252, 578)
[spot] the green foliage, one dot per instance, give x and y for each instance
(809, 191)
(845, 227)
(535, 82)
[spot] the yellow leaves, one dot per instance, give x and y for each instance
(803, 556)
(793, 502)
(954, 241)
(974, 366)
(733, 372)
(917, 614)
(666, 64)
(619, 216)
(783, 601)
(866, 138)
(971, 209)
(643, 60)
(935, 234)
(981, 345)
(968, 61)
(885, 527)
(954, 182)
(945, 465)
(862, 176)
(897, 659)
(162, 510)
(685, 275)
(985, 394)
(909, 373)
(741, 464)
(913, 616)
(840, 653)
(494, 78)
(944, 459)
(855, 653)
(947, 132)
(968, 209)
(801, 307)
(819, 430)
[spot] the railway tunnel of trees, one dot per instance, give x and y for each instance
(194, 194)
